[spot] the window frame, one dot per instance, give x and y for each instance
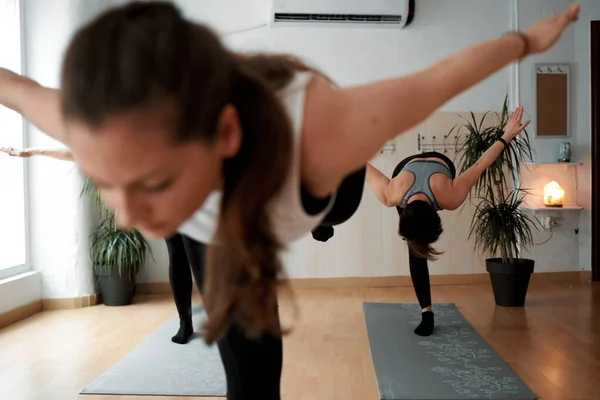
(10, 272)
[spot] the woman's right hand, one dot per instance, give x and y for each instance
(544, 33)
(11, 151)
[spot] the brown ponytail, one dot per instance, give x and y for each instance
(423, 250)
(244, 267)
(134, 56)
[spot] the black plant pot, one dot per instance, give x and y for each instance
(510, 281)
(116, 290)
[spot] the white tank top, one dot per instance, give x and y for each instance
(290, 221)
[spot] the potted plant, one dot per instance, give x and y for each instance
(500, 227)
(117, 255)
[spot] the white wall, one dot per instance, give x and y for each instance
(367, 244)
(362, 247)
(60, 219)
(545, 150)
(590, 12)
(157, 266)
(566, 250)
(556, 249)
(19, 291)
(357, 55)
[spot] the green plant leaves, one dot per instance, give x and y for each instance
(127, 251)
(498, 225)
(478, 139)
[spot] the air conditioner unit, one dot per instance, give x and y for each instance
(375, 13)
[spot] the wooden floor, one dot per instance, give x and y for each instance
(553, 344)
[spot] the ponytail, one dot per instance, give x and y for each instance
(244, 268)
(423, 250)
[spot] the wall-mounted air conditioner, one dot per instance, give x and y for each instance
(375, 13)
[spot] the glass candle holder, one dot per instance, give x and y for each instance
(564, 152)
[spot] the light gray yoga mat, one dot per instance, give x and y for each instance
(162, 368)
(453, 363)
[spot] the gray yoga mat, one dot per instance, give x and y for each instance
(453, 363)
(162, 368)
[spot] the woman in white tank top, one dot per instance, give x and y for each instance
(159, 115)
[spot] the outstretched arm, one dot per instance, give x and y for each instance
(388, 191)
(37, 104)
(344, 128)
(452, 198)
(59, 154)
(379, 183)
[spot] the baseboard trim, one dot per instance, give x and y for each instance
(585, 276)
(20, 313)
(26, 311)
(391, 281)
(35, 307)
(71, 303)
(153, 288)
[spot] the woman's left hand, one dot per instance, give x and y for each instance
(11, 151)
(513, 125)
(544, 33)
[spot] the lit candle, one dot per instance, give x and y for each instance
(553, 195)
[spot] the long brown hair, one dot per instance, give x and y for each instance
(133, 56)
(420, 225)
(423, 250)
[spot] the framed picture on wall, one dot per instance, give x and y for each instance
(552, 87)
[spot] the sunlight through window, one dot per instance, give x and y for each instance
(12, 179)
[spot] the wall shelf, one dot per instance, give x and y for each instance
(566, 207)
(555, 163)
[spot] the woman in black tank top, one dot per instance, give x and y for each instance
(419, 223)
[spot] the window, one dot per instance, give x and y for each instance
(13, 232)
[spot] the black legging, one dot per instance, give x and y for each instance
(180, 273)
(419, 273)
(252, 367)
(419, 270)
